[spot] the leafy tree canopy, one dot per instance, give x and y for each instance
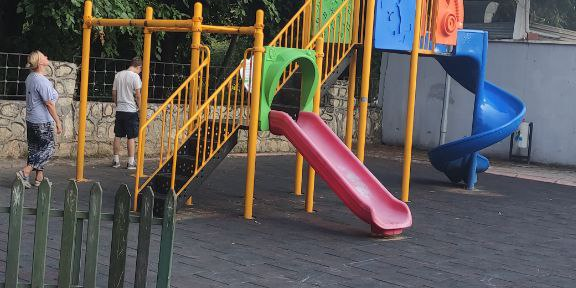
(55, 26)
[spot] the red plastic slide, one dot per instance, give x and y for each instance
(343, 172)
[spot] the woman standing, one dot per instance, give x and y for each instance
(41, 117)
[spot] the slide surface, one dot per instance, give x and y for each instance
(497, 113)
(343, 172)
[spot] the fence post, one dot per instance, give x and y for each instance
(144, 231)
(41, 234)
(119, 238)
(167, 242)
(93, 236)
(68, 236)
(77, 251)
(14, 234)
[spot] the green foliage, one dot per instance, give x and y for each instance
(65, 17)
(55, 26)
(558, 13)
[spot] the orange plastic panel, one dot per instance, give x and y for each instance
(449, 20)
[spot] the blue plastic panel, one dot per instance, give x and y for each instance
(394, 24)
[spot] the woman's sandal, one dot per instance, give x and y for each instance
(38, 182)
(25, 179)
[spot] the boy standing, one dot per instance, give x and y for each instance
(126, 96)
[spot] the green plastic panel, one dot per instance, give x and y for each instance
(342, 24)
(276, 60)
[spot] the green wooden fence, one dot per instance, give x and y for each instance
(72, 234)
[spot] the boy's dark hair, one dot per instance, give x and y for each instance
(136, 61)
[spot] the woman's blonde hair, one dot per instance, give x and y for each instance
(33, 60)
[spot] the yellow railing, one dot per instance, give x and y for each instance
(216, 120)
(167, 120)
(427, 26)
(338, 33)
(295, 34)
(338, 38)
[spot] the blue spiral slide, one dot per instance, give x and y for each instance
(497, 113)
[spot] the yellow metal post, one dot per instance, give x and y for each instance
(351, 99)
(311, 172)
(86, 31)
(365, 88)
(298, 174)
(306, 34)
(306, 25)
(195, 57)
(352, 78)
(143, 109)
(254, 109)
(189, 201)
(411, 103)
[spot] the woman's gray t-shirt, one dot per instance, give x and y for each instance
(39, 90)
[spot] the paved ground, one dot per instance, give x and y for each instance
(542, 173)
(509, 233)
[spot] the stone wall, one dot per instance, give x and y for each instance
(13, 113)
(100, 121)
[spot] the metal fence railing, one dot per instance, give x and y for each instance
(165, 77)
(13, 73)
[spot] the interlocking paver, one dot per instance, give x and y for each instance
(508, 233)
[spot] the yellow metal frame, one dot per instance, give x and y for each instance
(151, 25)
(190, 109)
(254, 111)
(426, 46)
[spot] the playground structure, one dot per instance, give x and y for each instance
(195, 130)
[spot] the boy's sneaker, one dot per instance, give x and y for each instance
(131, 166)
(115, 164)
(25, 179)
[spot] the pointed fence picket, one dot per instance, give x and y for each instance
(72, 232)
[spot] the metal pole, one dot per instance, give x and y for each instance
(307, 32)
(298, 174)
(86, 31)
(352, 79)
(146, 51)
(445, 104)
(195, 56)
(411, 103)
(254, 111)
(365, 88)
(311, 173)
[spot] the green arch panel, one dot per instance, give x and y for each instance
(276, 60)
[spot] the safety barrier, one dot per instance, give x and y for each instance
(71, 241)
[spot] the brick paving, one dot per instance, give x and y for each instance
(537, 172)
(510, 232)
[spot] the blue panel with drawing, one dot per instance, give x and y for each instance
(394, 24)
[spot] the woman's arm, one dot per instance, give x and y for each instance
(52, 110)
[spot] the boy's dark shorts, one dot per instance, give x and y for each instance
(126, 124)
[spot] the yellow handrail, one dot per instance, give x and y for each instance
(177, 104)
(214, 118)
(299, 16)
(220, 112)
(334, 48)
